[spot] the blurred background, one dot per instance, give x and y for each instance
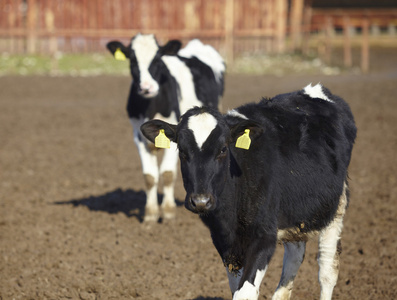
(71, 186)
(47, 30)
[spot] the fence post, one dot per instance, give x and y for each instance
(281, 25)
(229, 31)
(365, 46)
(296, 24)
(31, 26)
(347, 49)
(307, 20)
(49, 23)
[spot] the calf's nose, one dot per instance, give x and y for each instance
(201, 202)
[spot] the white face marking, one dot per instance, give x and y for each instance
(184, 78)
(316, 92)
(145, 48)
(206, 54)
(235, 113)
(202, 126)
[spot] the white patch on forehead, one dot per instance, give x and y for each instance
(316, 92)
(145, 48)
(202, 126)
(235, 113)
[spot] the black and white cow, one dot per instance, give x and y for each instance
(167, 81)
(290, 184)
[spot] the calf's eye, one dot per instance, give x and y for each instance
(222, 153)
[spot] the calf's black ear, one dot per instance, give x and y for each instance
(171, 48)
(237, 130)
(113, 46)
(151, 130)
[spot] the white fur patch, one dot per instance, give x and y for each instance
(249, 290)
(202, 126)
(235, 113)
(316, 92)
(145, 48)
(184, 78)
(206, 54)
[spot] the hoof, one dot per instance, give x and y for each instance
(151, 215)
(169, 211)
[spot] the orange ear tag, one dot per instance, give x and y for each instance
(244, 141)
(118, 55)
(161, 141)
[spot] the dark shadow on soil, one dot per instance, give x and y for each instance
(130, 202)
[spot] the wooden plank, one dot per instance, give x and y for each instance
(229, 34)
(296, 24)
(31, 26)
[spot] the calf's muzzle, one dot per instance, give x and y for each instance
(201, 203)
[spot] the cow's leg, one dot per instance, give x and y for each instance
(150, 172)
(330, 249)
(234, 279)
(294, 254)
(255, 266)
(168, 171)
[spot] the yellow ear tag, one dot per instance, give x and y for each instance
(244, 141)
(161, 141)
(118, 55)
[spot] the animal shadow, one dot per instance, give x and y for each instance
(129, 202)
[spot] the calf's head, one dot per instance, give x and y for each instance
(147, 68)
(205, 142)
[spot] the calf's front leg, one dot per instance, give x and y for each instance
(254, 268)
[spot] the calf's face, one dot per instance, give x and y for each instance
(147, 68)
(203, 142)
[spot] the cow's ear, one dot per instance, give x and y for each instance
(151, 130)
(171, 48)
(245, 130)
(118, 50)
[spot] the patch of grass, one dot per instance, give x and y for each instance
(62, 64)
(282, 64)
(98, 64)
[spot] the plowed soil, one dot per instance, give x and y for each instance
(71, 195)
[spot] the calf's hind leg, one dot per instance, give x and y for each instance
(329, 247)
(294, 254)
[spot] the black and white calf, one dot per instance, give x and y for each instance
(167, 81)
(288, 182)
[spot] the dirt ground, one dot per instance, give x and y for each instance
(71, 195)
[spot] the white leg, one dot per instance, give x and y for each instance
(150, 172)
(250, 291)
(168, 171)
(329, 251)
(294, 254)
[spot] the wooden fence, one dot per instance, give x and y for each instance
(232, 26)
(349, 21)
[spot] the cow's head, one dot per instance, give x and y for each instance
(147, 68)
(205, 142)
